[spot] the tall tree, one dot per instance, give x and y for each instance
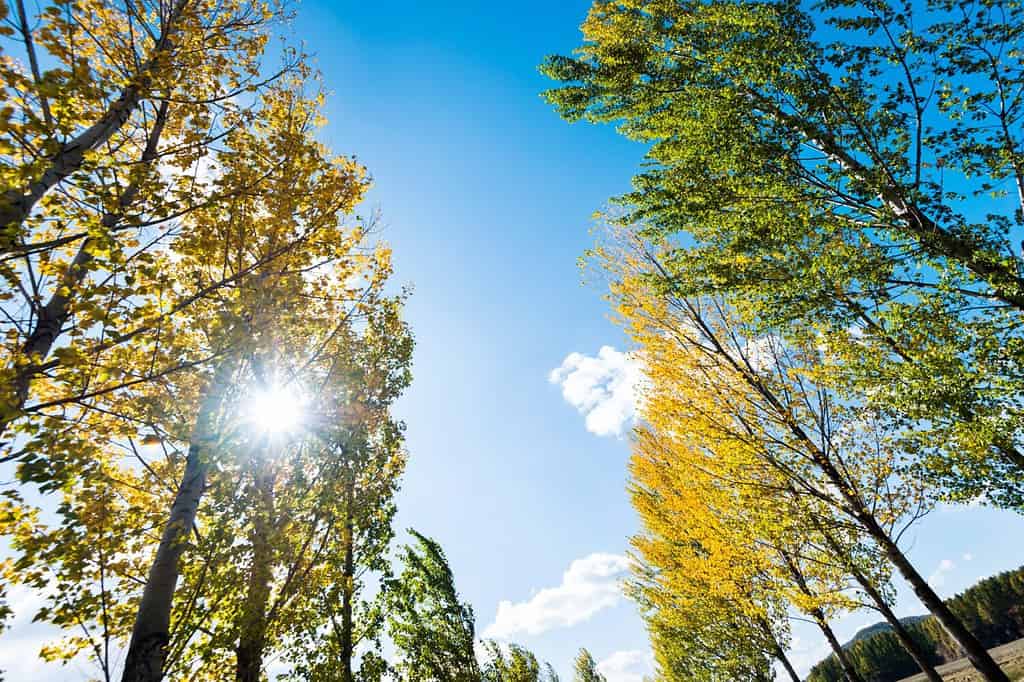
(128, 163)
(180, 384)
(514, 663)
(745, 409)
(828, 169)
(433, 631)
(323, 521)
(174, 236)
(586, 668)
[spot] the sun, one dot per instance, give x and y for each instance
(277, 409)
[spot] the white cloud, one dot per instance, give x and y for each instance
(627, 666)
(603, 388)
(968, 557)
(23, 639)
(590, 584)
(938, 577)
(25, 602)
(763, 352)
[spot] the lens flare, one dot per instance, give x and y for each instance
(275, 410)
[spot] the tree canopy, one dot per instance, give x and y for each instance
(819, 266)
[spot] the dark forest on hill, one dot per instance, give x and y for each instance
(993, 609)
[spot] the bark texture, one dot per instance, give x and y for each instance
(147, 649)
(252, 639)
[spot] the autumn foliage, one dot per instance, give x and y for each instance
(819, 266)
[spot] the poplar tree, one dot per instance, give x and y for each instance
(744, 411)
(850, 171)
(514, 663)
(432, 629)
(167, 409)
(586, 668)
(302, 218)
(330, 628)
(175, 239)
(115, 114)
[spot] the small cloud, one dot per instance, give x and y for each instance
(938, 577)
(25, 603)
(763, 352)
(24, 639)
(480, 651)
(589, 585)
(605, 388)
(627, 666)
(968, 557)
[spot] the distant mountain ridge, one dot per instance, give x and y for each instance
(993, 610)
(881, 626)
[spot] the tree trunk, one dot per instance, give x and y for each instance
(909, 643)
(974, 650)
(819, 618)
(253, 625)
(782, 658)
(844, 660)
(856, 509)
(18, 202)
(349, 586)
(147, 650)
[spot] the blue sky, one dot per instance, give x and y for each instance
(487, 198)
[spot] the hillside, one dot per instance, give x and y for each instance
(880, 627)
(993, 609)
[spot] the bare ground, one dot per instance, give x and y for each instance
(1009, 656)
